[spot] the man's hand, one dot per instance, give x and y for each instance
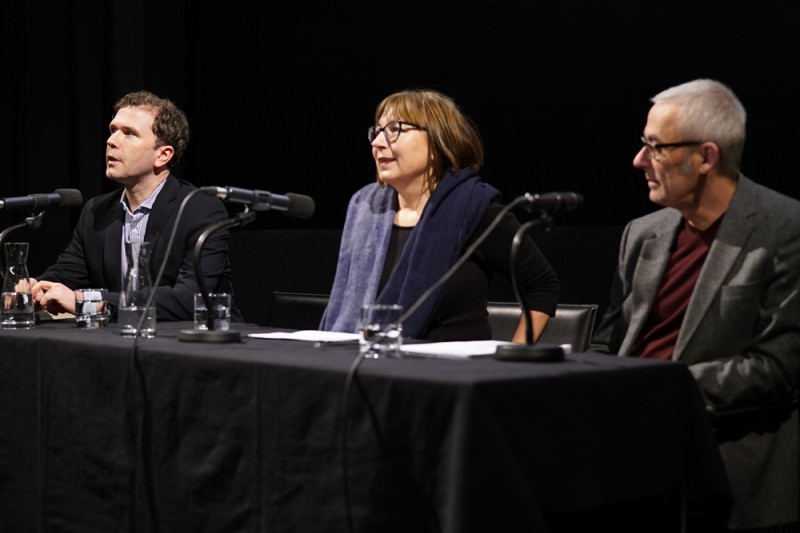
(53, 297)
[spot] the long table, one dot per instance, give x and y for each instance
(96, 436)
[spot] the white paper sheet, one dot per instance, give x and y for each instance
(454, 349)
(308, 335)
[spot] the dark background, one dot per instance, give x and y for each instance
(280, 95)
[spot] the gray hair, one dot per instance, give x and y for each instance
(710, 111)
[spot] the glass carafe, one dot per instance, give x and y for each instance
(135, 292)
(17, 302)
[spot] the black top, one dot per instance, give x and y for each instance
(462, 313)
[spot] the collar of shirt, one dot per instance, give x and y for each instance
(136, 223)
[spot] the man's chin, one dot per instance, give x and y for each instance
(656, 197)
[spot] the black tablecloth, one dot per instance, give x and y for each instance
(248, 436)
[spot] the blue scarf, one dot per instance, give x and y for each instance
(434, 245)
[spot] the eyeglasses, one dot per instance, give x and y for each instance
(654, 149)
(391, 131)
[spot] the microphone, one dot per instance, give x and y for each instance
(553, 202)
(61, 197)
(293, 205)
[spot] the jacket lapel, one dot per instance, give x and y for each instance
(733, 234)
(165, 208)
(112, 247)
(647, 276)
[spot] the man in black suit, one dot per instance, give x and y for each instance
(148, 136)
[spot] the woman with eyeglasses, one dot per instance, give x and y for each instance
(404, 231)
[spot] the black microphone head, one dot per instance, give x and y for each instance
(554, 202)
(570, 201)
(300, 206)
(69, 197)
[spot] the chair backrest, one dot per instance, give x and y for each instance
(573, 323)
(296, 310)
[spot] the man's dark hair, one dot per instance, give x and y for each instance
(170, 126)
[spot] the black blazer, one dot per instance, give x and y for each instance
(93, 257)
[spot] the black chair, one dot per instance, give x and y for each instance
(573, 323)
(296, 310)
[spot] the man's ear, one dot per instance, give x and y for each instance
(164, 155)
(710, 152)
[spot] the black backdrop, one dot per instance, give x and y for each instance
(279, 95)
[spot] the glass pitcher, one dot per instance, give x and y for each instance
(136, 289)
(17, 301)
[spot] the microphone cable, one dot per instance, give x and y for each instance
(351, 373)
(348, 383)
(142, 427)
(434, 523)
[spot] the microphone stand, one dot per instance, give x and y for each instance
(528, 351)
(32, 222)
(212, 334)
(464, 257)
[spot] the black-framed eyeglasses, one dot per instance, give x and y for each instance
(654, 149)
(391, 131)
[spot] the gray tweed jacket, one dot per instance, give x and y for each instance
(740, 335)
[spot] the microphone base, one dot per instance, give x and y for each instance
(531, 353)
(214, 335)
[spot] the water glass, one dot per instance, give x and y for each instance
(128, 318)
(381, 330)
(16, 310)
(221, 306)
(91, 308)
